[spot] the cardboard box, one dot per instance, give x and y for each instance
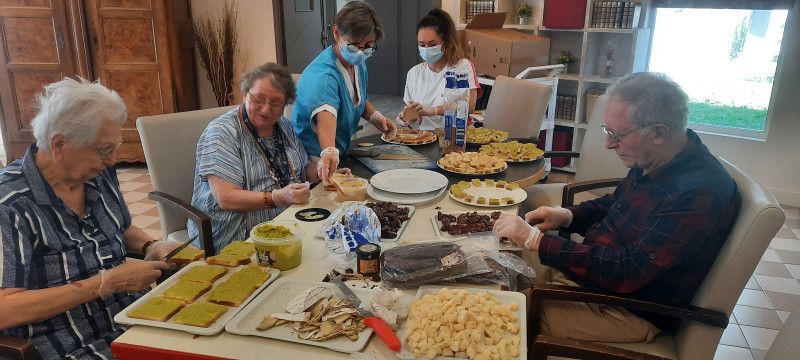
(496, 51)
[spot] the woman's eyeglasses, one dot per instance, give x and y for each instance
(261, 102)
(105, 154)
(365, 49)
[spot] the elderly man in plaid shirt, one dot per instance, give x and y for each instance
(655, 238)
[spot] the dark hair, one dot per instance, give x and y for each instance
(278, 75)
(653, 98)
(442, 23)
(357, 20)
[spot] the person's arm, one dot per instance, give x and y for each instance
(231, 197)
(380, 122)
(473, 99)
(326, 129)
(135, 239)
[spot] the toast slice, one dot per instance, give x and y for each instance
(254, 276)
(157, 309)
(239, 248)
(410, 114)
(186, 256)
(229, 294)
(205, 273)
(200, 314)
(229, 259)
(186, 291)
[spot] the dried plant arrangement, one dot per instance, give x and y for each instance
(217, 43)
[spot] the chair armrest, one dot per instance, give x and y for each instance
(200, 218)
(568, 196)
(546, 345)
(578, 294)
(561, 154)
(17, 348)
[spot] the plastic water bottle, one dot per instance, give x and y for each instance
(451, 95)
(462, 109)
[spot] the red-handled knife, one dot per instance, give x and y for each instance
(377, 324)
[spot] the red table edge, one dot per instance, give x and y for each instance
(129, 351)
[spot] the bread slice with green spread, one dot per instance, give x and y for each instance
(239, 248)
(229, 294)
(157, 309)
(205, 273)
(229, 259)
(186, 256)
(200, 314)
(186, 291)
(253, 276)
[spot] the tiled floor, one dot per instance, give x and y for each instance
(766, 302)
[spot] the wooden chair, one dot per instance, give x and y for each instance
(170, 144)
(702, 322)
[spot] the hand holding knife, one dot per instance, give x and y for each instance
(377, 324)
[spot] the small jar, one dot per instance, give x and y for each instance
(368, 256)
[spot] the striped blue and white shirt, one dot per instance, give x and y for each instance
(226, 149)
(45, 245)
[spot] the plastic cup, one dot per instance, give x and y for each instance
(282, 253)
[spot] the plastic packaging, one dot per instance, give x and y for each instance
(462, 109)
(450, 104)
(359, 225)
(284, 252)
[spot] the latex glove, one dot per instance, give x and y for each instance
(384, 124)
(517, 230)
(132, 276)
(344, 171)
(291, 194)
(549, 218)
(427, 111)
(159, 249)
(329, 160)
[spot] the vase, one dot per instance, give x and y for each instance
(523, 21)
(567, 68)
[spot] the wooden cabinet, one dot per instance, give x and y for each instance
(123, 43)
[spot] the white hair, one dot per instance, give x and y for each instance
(76, 110)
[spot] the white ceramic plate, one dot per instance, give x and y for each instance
(340, 211)
(517, 194)
(217, 326)
(506, 298)
(405, 199)
(272, 301)
(408, 181)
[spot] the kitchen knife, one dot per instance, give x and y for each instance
(374, 153)
(377, 324)
(179, 248)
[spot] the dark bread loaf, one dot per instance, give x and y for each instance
(409, 266)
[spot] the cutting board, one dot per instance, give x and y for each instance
(377, 166)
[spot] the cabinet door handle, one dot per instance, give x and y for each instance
(61, 39)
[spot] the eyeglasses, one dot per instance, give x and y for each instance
(261, 102)
(617, 136)
(365, 49)
(105, 154)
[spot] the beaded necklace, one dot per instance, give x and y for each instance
(281, 179)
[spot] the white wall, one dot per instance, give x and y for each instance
(256, 40)
(776, 162)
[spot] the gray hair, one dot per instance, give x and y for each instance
(654, 98)
(357, 20)
(278, 75)
(76, 110)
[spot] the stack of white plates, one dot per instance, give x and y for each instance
(407, 186)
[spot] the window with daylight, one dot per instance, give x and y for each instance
(725, 59)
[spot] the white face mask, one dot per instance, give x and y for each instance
(432, 54)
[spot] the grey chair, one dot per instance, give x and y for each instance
(517, 106)
(786, 345)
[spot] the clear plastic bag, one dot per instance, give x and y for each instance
(359, 225)
(505, 268)
(409, 266)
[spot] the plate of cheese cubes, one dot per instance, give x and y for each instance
(487, 193)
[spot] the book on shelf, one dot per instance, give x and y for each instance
(615, 14)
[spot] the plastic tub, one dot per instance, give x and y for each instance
(352, 189)
(273, 250)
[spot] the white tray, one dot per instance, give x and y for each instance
(506, 245)
(272, 301)
(336, 215)
(506, 298)
(215, 327)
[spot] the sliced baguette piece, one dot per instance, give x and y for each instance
(205, 273)
(186, 256)
(254, 276)
(229, 294)
(200, 314)
(157, 309)
(186, 291)
(228, 259)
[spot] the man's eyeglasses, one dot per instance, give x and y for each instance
(618, 136)
(261, 102)
(365, 49)
(105, 154)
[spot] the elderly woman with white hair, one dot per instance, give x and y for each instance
(66, 230)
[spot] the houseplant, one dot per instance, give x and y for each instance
(566, 58)
(217, 45)
(524, 13)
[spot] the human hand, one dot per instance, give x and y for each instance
(290, 194)
(549, 218)
(159, 249)
(384, 124)
(132, 276)
(329, 160)
(517, 230)
(344, 171)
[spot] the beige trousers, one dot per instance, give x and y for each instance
(584, 321)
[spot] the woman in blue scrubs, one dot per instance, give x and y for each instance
(332, 91)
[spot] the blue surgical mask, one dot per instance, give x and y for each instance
(355, 58)
(432, 54)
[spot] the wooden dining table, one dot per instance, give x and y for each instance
(142, 341)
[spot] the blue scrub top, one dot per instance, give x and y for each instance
(323, 87)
